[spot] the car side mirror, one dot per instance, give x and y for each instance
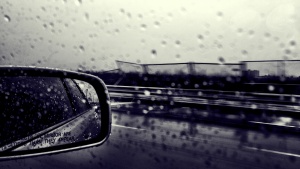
(45, 111)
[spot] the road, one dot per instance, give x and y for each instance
(139, 141)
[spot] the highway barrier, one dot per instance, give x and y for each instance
(238, 99)
(257, 108)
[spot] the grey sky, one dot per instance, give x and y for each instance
(94, 33)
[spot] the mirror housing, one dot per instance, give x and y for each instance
(15, 150)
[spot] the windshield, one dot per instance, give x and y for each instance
(193, 83)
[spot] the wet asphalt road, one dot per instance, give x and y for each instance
(138, 141)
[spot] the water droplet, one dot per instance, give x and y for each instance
(178, 56)
(163, 43)
(293, 99)
(43, 8)
(78, 2)
(267, 35)
(129, 15)
(183, 9)
(143, 41)
(251, 32)
(221, 59)
(177, 43)
(7, 18)
(51, 24)
(220, 13)
(292, 43)
(276, 38)
(157, 24)
(271, 88)
(158, 91)
(147, 93)
(153, 53)
(288, 51)
(140, 16)
(253, 106)
(81, 48)
(245, 53)
(86, 16)
(143, 27)
(200, 37)
(240, 30)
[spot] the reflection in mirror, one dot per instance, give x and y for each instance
(40, 112)
(88, 91)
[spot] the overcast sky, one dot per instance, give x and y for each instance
(94, 33)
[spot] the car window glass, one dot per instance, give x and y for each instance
(172, 66)
(80, 103)
(28, 102)
(88, 91)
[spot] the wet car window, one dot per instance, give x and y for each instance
(193, 83)
(88, 91)
(78, 99)
(28, 102)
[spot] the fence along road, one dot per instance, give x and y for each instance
(284, 107)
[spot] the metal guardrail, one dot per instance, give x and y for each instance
(256, 110)
(236, 99)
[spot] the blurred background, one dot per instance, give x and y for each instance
(92, 35)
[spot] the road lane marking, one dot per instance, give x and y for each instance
(116, 125)
(273, 124)
(120, 103)
(271, 151)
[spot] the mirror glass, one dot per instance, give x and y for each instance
(41, 112)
